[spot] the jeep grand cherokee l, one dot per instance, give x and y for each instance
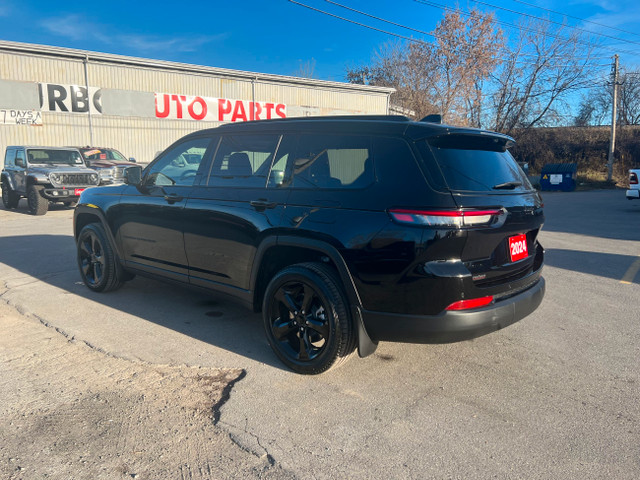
(343, 231)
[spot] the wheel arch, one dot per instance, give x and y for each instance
(84, 215)
(33, 180)
(6, 179)
(276, 253)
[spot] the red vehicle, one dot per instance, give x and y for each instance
(108, 162)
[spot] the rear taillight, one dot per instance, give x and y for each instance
(633, 178)
(469, 304)
(447, 218)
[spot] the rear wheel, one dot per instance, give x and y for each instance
(38, 205)
(306, 318)
(96, 260)
(10, 198)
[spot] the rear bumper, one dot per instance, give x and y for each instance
(634, 193)
(453, 326)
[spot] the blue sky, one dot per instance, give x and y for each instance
(277, 36)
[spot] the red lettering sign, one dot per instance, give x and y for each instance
(186, 107)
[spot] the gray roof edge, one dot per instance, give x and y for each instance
(81, 55)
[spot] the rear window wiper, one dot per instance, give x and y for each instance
(507, 185)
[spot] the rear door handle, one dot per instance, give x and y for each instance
(173, 197)
(262, 204)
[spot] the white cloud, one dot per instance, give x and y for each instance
(74, 27)
(150, 43)
(77, 28)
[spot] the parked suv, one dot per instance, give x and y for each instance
(343, 231)
(43, 175)
(108, 162)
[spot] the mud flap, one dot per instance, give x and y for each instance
(366, 346)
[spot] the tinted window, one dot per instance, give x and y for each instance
(332, 161)
(243, 160)
(179, 165)
(280, 170)
(477, 164)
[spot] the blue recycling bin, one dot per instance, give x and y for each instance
(559, 176)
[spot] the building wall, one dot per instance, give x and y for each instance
(125, 90)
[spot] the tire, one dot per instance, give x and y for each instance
(38, 205)
(306, 318)
(10, 198)
(96, 260)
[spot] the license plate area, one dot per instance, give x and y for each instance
(78, 191)
(518, 247)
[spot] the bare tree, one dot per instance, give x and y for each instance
(595, 107)
(445, 76)
(465, 53)
(539, 74)
(629, 91)
(400, 66)
(306, 69)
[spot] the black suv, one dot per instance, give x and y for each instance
(343, 231)
(43, 175)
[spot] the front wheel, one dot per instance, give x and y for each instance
(96, 260)
(306, 318)
(38, 205)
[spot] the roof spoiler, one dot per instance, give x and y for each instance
(433, 118)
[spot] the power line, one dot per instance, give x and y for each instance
(576, 18)
(555, 22)
(511, 25)
(361, 24)
(405, 27)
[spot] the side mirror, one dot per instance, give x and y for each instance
(133, 175)
(132, 160)
(21, 163)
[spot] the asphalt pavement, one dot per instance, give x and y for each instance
(552, 396)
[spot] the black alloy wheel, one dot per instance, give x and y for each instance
(96, 260)
(306, 318)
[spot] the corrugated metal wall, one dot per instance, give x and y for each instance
(143, 136)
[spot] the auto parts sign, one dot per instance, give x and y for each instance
(208, 109)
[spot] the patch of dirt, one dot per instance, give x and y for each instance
(70, 411)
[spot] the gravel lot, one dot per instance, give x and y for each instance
(157, 382)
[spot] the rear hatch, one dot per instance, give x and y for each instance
(480, 174)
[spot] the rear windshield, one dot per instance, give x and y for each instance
(54, 157)
(477, 164)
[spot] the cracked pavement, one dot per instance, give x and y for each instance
(553, 396)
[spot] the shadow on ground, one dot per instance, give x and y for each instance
(212, 319)
(606, 265)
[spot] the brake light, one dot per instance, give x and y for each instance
(633, 178)
(469, 304)
(446, 218)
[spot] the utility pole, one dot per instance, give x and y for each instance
(89, 99)
(614, 116)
